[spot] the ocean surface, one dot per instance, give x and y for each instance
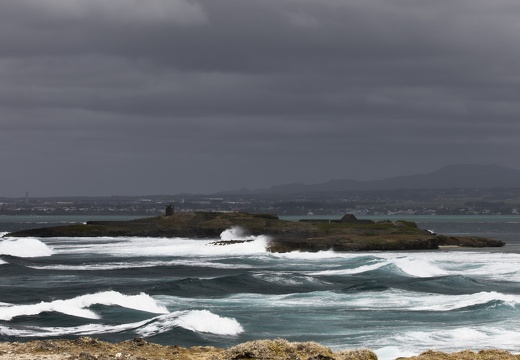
(189, 292)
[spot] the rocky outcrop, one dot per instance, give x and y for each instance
(491, 354)
(86, 348)
(285, 235)
(468, 241)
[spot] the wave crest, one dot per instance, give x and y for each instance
(78, 306)
(419, 267)
(26, 248)
(202, 321)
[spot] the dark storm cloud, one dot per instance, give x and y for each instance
(114, 97)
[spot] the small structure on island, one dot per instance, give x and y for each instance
(170, 210)
(351, 219)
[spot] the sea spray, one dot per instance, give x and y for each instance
(236, 233)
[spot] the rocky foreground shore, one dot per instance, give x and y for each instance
(86, 348)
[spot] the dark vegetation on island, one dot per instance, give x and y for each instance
(348, 234)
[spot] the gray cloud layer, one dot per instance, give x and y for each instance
(169, 96)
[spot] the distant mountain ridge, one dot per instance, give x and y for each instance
(450, 176)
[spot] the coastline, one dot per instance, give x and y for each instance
(86, 348)
(436, 268)
(308, 235)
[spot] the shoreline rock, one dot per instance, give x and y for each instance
(86, 348)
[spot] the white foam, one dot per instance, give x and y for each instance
(144, 264)
(491, 265)
(163, 247)
(202, 321)
(419, 267)
(320, 255)
(358, 270)
(235, 233)
(456, 339)
(78, 306)
(82, 330)
(392, 299)
(26, 248)
(452, 302)
(416, 301)
(392, 352)
(286, 278)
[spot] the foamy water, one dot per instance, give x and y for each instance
(78, 306)
(26, 247)
(193, 292)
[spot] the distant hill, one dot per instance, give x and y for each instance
(451, 176)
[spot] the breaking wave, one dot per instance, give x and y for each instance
(78, 306)
(236, 233)
(419, 267)
(25, 248)
(201, 321)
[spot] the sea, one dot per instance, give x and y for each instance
(188, 292)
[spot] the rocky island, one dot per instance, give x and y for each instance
(347, 234)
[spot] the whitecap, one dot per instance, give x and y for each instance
(82, 330)
(453, 302)
(236, 233)
(135, 265)
(459, 338)
(165, 247)
(417, 301)
(78, 306)
(357, 270)
(286, 278)
(320, 255)
(26, 248)
(392, 352)
(470, 264)
(202, 321)
(419, 267)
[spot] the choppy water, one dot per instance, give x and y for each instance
(190, 292)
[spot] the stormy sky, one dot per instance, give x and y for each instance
(136, 97)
